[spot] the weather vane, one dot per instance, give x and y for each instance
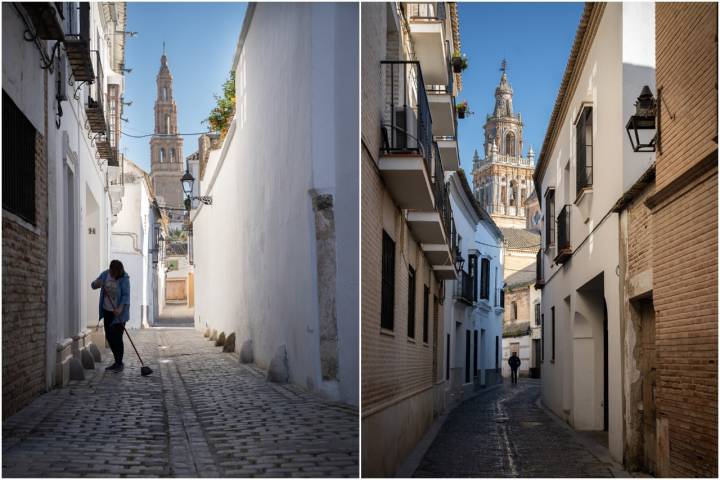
(503, 66)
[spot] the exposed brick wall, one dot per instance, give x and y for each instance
(686, 72)
(24, 297)
(640, 238)
(393, 366)
(685, 238)
(521, 296)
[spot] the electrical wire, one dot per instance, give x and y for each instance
(162, 134)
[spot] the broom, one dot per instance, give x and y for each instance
(144, 369)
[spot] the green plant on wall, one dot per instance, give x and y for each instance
(177, 234)
(172, 265)
(221, 116)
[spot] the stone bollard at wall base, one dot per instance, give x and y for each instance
(279, 371)
(220, 340)
(76, 370)
(95, 352)
(207, 332)
(213, 336)
(229, 345)
(246, 352)
(87, 359)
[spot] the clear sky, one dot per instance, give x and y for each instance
(200, 41)
(535, 38)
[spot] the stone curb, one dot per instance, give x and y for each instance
(412, 461)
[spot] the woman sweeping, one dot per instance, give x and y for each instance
(114, 285)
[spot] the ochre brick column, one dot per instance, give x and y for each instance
(684, 254)
(24, 297)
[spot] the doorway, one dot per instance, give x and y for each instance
(467, 356)
(647, 372)
(606, 412)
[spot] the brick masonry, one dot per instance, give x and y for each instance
(685, 252)
(24, 298)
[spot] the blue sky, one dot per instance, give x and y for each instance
(200, 43)
(535, 38)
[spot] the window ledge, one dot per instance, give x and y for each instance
(411, 340)
(385, 331)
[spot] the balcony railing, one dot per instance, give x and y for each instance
(407, 126)
(425, 11)
(95, 106)
(563, 235)
(442, 195)
(447, 88)
(464, 288)
(47, 18)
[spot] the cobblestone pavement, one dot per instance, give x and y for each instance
(201, 413)
(503, 433)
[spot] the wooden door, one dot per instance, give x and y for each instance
(647, 370)
(175, 290)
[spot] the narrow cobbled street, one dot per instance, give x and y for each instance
(504, 433)
(201, 413)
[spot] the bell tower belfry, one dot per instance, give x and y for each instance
(502, 180)
(166, 155)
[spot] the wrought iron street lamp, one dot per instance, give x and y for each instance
(459, 260)
(188, 181)
(642, 125)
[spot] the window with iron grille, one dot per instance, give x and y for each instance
(113, 114)
(472, 270)
(584, 152)
(411, 302)
(550, 218)
(387, 319)
(18, 161)
(426, 313)
(537, 314)
(485, 279)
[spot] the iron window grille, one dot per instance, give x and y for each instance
(411, 302)
(387, 311)
(464, 287)
(18, 161)
(563, 240)
(550, 218)
(426, 312)
(424, 11)
(485, 279)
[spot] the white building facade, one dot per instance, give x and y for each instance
(586, 165)
(276, 254)
(133, 243)
(472, 306)
(69, 85)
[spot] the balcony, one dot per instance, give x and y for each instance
(431, 226)
(427, 30)
(77, 47)
(406, 129)
(539, 273)
(47, 19)
(95, 108)
(449, 154)
(464, 288)
(442, 106)
(564, 248)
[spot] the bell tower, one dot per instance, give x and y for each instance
(166, 161)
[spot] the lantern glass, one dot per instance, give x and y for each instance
(187, 182)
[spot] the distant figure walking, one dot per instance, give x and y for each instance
(114, 285)
(514, 362)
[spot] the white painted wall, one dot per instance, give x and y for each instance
(573, 383)
(132, 236)
(295, 130)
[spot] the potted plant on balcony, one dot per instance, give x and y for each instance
(459, 62)
(462, 109)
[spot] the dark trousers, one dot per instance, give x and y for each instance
(513, 374)
(114, 336)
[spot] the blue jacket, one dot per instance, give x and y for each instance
(124, 285)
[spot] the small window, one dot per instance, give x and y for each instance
(537, 314)
(584, 152)
(165, 93)
(513, 310)
(167, 124)
(550, 218)
(472, 271)
(485, 279)
(387, 319)
(162, 155)
(18, 161)
(411, 302)
(426, 313)
(552, 326)
(510, 144)
(172, 155)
